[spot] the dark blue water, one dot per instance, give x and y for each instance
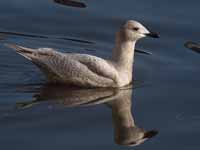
(167, 101)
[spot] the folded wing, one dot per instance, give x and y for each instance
(77, 69)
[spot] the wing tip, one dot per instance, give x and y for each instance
(13, 46)
(26, 52)
(18, 48)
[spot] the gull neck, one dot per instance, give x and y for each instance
(123, 52)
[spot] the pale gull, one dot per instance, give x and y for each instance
(90, 71)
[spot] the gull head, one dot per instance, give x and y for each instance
(133, 31)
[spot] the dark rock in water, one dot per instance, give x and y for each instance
(71, 3)
(193, 46)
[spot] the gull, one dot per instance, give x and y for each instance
(85, 70)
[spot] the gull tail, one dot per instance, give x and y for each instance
(26, 52)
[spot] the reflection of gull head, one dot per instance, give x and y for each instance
(133, 136)
(126, 131)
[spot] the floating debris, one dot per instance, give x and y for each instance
(71, 3)
(193, 46)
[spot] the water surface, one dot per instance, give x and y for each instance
(167, 98)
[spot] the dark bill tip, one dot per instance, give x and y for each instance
(153, 35)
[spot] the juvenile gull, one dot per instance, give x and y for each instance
(90, 71)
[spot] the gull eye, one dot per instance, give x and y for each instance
(135, 28)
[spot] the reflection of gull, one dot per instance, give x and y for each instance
(119, 100)
(86, 70)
